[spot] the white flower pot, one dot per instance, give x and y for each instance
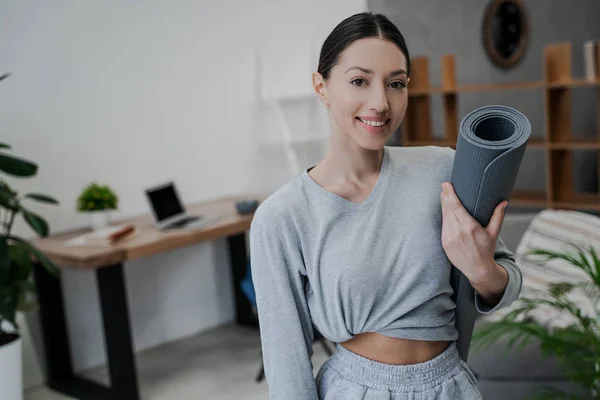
(99, 219)
(11, 371)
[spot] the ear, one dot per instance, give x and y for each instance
(320, 87)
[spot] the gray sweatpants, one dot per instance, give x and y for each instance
(349, 376)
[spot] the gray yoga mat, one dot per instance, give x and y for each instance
(490, 147)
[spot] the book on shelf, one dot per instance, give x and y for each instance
(591, 59)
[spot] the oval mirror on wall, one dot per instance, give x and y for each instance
(505, 32)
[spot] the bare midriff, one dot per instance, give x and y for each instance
(396, 351)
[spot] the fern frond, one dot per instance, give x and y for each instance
(576, 258)
(560, 304)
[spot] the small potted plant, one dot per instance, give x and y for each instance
(97, 201)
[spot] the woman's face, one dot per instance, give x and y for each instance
(366, 92)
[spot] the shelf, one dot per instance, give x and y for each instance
(528, 198)
(536, 143)
(439, 142)
(576, 143)
(572, 83)
(588, 201)
(556, 141)
(498, 87)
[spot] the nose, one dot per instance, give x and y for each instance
(378, 100)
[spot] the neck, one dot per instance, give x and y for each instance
(345, 158)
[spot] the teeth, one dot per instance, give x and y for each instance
(372, 123)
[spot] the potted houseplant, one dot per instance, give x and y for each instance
(575, 342)
(97, 201)
(16, 268)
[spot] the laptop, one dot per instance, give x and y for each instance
(169, 212)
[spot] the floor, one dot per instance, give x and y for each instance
(220, 364)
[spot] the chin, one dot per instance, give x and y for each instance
(372, 143)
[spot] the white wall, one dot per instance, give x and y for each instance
(131, 93)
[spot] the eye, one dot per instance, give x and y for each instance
(358, 82)
(397, 85)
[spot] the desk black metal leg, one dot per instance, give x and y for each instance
(117, 332)
(238, 257)
(56, 341)
(53, 324)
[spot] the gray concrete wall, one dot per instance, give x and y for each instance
(436, 27)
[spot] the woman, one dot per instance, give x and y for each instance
(360, 246)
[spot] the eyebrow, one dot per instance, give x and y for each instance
(368, 71)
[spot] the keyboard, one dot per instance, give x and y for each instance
(182, 222)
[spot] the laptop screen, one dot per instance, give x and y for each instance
(165, 202)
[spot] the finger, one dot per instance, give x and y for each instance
(445, 223)
(449, 216)
(448, 227)
(455, 205)
(497, 219)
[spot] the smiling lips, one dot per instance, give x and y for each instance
(375, 125)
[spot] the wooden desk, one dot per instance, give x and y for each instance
(107, 263)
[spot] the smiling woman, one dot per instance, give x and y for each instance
(352, 246)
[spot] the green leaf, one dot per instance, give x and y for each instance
(4, 76)
(17, 166)
(4, 261)
(42, 198)
(23, 304)
(37, 223)
(8, 304)
(558, 289)
(21, 258)
(42, 258)
(29, 287)
(4, 146)
(8, 198)
(27, 306)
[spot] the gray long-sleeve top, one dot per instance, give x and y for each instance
(347, 268)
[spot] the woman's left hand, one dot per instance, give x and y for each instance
(469, 246)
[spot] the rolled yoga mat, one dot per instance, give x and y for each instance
(490, 147)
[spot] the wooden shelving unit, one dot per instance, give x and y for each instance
(558, 140)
